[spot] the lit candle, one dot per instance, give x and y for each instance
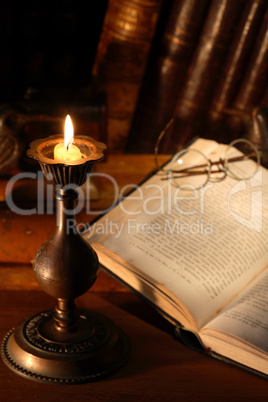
(66, 152)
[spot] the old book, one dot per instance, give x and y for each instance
(200, 258)
(237, 61)
(165, 76)
(205, 69)
(123, 49)
(254, 81)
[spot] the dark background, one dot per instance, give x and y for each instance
(48, 49)
(47, 44)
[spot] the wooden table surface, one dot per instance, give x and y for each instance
(160, 367)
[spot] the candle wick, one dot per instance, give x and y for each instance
(68, 146)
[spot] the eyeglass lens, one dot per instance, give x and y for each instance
(241, 159)
(190, 169)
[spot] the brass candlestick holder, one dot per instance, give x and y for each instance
(66, 345)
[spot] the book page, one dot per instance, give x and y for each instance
(204, 246)
(249, 311)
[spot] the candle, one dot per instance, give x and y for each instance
(66, 152)
(62, 154)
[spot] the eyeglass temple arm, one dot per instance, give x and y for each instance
(161, 135)
(219, 162)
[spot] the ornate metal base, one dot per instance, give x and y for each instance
(35, 349)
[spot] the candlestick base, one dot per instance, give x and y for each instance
(36, 349)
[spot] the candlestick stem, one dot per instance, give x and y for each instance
(66, 313)
(66, 200)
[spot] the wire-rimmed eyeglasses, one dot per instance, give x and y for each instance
(190, 168)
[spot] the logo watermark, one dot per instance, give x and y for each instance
(152, 200)
(134, 227)
(254, 185)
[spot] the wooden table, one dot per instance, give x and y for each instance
(160, 368)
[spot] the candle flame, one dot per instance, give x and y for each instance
(68, 132)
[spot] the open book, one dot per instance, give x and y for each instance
(199, 257)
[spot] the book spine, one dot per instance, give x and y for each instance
(238, 58)
(254, 82)
(122, 53)
(166, 76)
(205, 69)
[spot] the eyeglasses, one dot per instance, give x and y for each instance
(190, 168)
